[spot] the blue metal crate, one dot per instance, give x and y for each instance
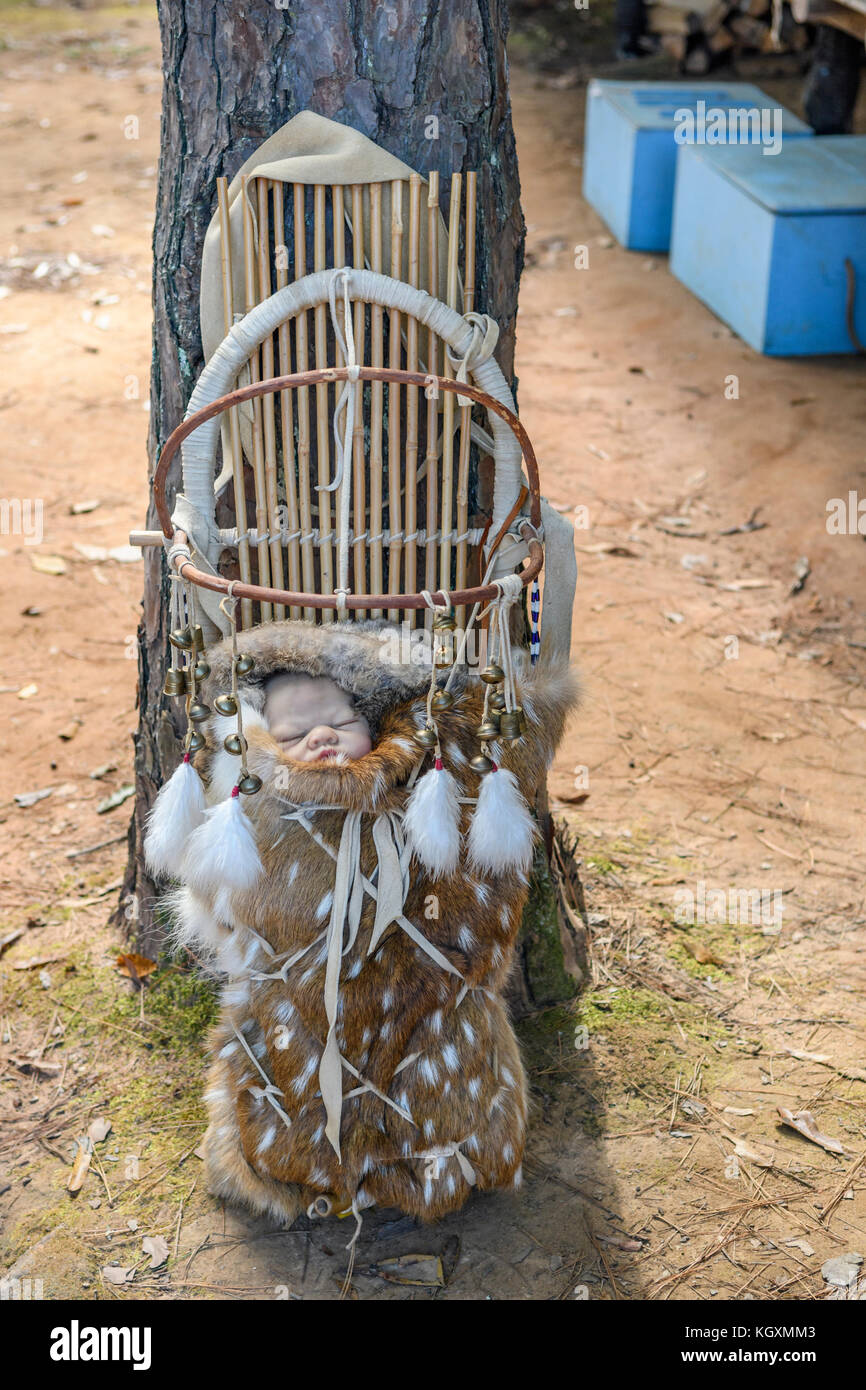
(764, 241)
(630, 149)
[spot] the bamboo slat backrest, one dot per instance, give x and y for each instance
(413, 509)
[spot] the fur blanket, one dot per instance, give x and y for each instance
(434, 1093)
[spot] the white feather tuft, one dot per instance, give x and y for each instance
(431, 822)
(193, 923)
(502, 833)
(177, 812)
(222, 853)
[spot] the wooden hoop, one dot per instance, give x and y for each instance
(262, 594)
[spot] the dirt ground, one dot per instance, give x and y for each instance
(720, 747)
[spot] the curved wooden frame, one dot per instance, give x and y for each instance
(257, 592)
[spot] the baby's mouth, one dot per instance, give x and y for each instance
(326, 753)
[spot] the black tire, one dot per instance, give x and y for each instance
(831, 88)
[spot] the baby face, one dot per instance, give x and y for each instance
(313, 720)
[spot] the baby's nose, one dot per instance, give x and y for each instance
(321, 736)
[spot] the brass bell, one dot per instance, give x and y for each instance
(175, 682)
(509, 725)
(492, 674)
(480, 763)
(198, 712)
(235, 743)
(225, 704)
(244, 665)
(496, 701)
(444, 655)
(250, 784)
(198, 638)
(518, 710)
(427, 738)
(444, 622)
(181, 638)
(196, 742)
(201, 670)
(488, 728)
(443, 699)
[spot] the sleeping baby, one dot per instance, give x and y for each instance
(312, 719)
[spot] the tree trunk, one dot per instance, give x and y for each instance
(233, 74)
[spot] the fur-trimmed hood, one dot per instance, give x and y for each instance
(368, 660)
(371, 662)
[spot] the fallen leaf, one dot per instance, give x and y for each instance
(103, 770)
(48, 564)
(802, 570)
(702, 953)
(31, 798)
(803, 1121)
(39, 961)
(802, 1245)
(29, 1065)
(842, 1270)
(116, 799)
(80, 1166)
(736, 585)
(157, 1248)
(763, 1158)
(745, 527)
(692, 1107)
(679, 526)
(850, 1073)
(855, 1292)
(135, 967)
(118, 1274)
(419, 1270)
(736, 1110)
(98, 1129)
(28, 691)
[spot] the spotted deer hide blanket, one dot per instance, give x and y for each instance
(433, 1091)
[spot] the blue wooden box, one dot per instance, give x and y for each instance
(763, 241)
(630, 149)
